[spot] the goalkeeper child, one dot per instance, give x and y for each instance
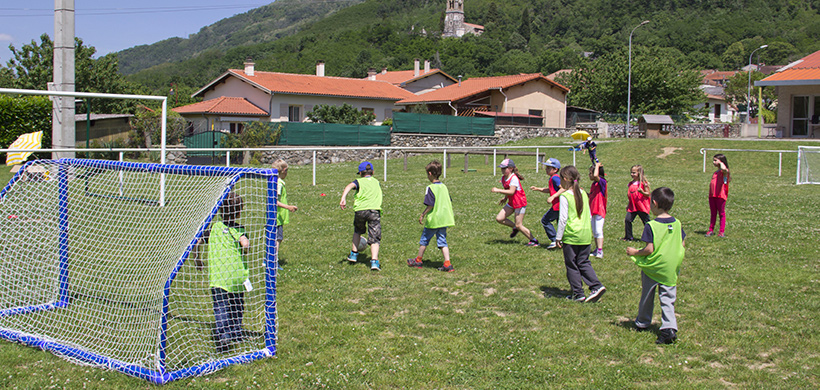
(227, 271)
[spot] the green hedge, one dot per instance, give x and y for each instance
(24, 115)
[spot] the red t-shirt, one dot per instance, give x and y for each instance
(717, 188)
(637, 200)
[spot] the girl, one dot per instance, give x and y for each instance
(638, 195)
(597, 206)
(718, 192)
(516, 201)
(574, 236)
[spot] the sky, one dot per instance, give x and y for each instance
(114, 25)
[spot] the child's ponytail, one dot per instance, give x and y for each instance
(571, 175)
(515, 172)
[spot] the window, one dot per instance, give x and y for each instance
(236, 128)
(800, 116)
(536, 112)
(294, 113)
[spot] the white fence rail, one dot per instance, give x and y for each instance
(779, 152)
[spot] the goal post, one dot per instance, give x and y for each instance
(808, 165)
(95, 274)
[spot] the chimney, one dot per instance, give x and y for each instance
(426, 66)
(384, 70)
(320, 68)
(249, 67)
(416, 67)
(371, 73)
(459, 80)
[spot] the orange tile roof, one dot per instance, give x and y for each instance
(805, 71)
(304, 84)
(223, 105)
(397, 77)
(477, 85)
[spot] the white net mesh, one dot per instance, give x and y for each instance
(122, 248)
(808, 165)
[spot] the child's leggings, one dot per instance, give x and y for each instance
(630, 216)
(717, 207)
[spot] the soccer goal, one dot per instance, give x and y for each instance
(808, 165)
(96, 270)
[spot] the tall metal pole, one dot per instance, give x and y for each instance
(749, 92)
(629, 82)
(63, 124)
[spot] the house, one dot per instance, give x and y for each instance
(718, 109)
(101, 128)
(415, 80)
(716, 78)
(797, 87)
(238, 96)
(528, 99)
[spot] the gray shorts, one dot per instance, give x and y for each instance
(368, 221)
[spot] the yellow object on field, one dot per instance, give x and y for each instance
(580, 135)
(26, 141)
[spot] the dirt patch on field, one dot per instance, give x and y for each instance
(667, 151)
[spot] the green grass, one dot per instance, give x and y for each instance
(747, 305)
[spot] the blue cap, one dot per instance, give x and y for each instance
(552, 162)
(507, 163)
(365, 166)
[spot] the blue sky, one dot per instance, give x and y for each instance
(114, 25)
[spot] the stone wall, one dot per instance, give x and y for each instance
(694, 130)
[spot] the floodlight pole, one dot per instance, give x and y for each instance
(749, 93)
(629, 82)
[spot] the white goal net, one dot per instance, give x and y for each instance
(95, 267)
(808, 165)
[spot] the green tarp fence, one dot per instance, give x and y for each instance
(333, 134)
(208, 139)
(442, 124)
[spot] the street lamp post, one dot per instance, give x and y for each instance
(629, 82)
(749, 93)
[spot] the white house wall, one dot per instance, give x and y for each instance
(233, 87)
(533, 95)
(784, 104)
(279, 105)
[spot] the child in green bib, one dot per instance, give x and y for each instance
(367, 204)
(436, 217)
(283, 209)
(660, 262)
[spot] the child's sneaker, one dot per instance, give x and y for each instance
(414, 262)
(448, 268)
(599, 253)
(374, 265)
(667, 336)
(596, 294)
(576, 297)
(710, 233)
(353, 257)
(532, 242)
(514, 232)
(552, 245)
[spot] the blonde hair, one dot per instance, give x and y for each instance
(280, 165)
(641, 174)
(571, 175)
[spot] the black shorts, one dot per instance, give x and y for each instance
(368, 221)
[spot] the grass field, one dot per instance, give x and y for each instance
(747, 305)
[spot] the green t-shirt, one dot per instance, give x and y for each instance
(663, 264)
(282, 214)
(369, 195)
(442, 213)
(226, 264)
(579, 229)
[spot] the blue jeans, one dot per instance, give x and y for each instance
(546, 222)
(427, 235)
(228, 312)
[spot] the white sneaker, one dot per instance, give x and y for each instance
(599, 253)
(595, 295)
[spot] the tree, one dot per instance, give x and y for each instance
(524, 28)
(32, 67)
(660, 84)
(347, 114)
(737, 92)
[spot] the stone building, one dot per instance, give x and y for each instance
(454, 25)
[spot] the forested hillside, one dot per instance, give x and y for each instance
(263, 24)
(521, 36)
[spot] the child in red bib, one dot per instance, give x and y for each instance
(514, 201)
(718, 193)
(638, 206)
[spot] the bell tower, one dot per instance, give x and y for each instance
(454, 19)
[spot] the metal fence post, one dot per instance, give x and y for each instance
(314, 168)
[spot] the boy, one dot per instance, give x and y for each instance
(554, 189)
(227, 271)
(283, 209)
(660, 262)
(436, 217)
(367, 203)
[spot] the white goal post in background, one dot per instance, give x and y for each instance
(100, 274)
(808, 165)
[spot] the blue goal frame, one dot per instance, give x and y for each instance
(159, 376)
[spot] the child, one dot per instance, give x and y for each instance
(638, 195)
(516, 201)
(574, 236)
(227, 271)
(436, 217)
(367, 204)
(597, 206)
(554, 189)
(590, 145)
(660, 262)
(718, 192)
(283, 209)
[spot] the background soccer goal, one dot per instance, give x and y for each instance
(808, 165)
(95, 269)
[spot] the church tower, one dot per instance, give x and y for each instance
(454, 19)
